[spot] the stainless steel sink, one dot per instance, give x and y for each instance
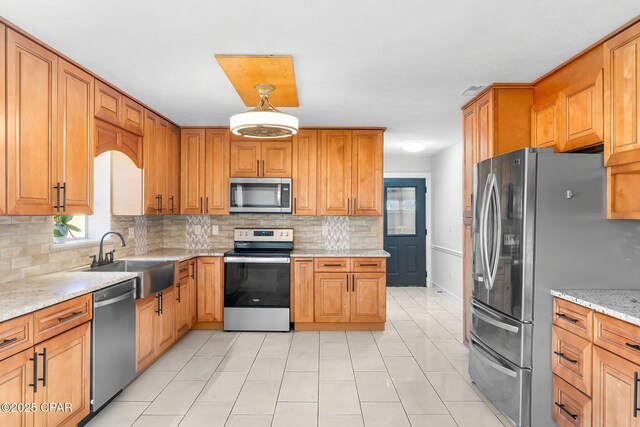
(153, 276)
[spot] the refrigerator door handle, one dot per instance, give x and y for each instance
(484, 211)
(487, 360)
(495, 322)
(497, 236)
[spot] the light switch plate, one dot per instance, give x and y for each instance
(214, 230)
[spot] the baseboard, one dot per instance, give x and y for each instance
(324, 326)
(446, 291)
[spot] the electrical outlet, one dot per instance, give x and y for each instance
(132, 232)
(325, 230)
(214, 230)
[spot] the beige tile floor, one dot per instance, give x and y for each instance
(412, 374)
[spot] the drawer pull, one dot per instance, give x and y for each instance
(566, 411)
(368, 265)
(633, 346)
(71, 316)
(567, 318)
(9, 341)
(333, 265)
(568, 359)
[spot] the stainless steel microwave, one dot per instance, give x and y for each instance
(260, 195)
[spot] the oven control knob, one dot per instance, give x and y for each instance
(286, 234)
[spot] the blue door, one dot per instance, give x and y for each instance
(405, 232)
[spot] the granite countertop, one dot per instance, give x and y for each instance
(353, 253)
(178, 255)
(623, 304)
(25, 296)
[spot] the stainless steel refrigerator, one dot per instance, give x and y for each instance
(539, 223)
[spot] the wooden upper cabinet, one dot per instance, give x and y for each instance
(210, 289)
(484, 135)
(245, 159)
(275, 159)
(132, 116)
(469, 139)
(173, 174)
(16, 375)
(32, 133)
(614, 389)
(622, 98)
(216, 172)
(368, 297)
(331, 297)
(305, 172)
(108, 103)
(334, 196)
(75, 140)
(544, 124)
(192, 171)
(3, 123)
(580, 118)
(161, 163)
(151, 191)
(366, 176)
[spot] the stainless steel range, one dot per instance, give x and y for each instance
(257, 279)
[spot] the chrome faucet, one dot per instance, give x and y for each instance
(108, 259)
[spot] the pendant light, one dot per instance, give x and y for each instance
(265, 121)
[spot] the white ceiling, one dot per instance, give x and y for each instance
(395, 63)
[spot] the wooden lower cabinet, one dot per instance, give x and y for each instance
(571, 408)
(193, 295)
(183, 307)
(302, 290)
(64, 366)
(16, 375)
(165, 328)
(331, 297)
(145, 336)
(210, 292)
(368, 297)
(615, 390)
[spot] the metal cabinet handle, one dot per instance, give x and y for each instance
(566, 411)
(206, 204)
(57, 205)
(201, 206)
(368, 265)
(193, 269)
(353, 283)
(44, 367)
(9, 341)
(567, 318)
(303, 260)
(263, 168)
(355, 203)
(332, 265)
(633, 346)
(178, 298)
(71, 316)
(159, 309)
(34, 359)
(172, 203)
(258, 167)
(295, 205)
(635, 395)
(64, 196)
(563, 356)
(347, 283)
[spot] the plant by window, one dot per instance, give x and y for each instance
(62, 226)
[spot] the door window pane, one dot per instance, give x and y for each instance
(401, 211)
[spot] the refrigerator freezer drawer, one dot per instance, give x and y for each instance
(509, 338)
(507, 386)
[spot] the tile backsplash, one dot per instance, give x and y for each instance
(27, 250)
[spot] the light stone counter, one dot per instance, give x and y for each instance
(25, 296)
(352, 253)
(623, 304)
(178, 255)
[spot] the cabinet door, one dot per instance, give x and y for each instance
(469, 138)
(580, 118)
(331, 297)
(182, 312)
(64, 364)
(484, 138)
(335, 173)
(173, 174)
(32, 135)
(3, 123)
(161, 163)
(366, 175)
(245, 159)
(276, 159)
(108, 103)
(216, 172)
(16, 386)
(614, 390)
(193, 299)
(75, 138)
(165, 326)
(145, 336)
(302, 292)
(151, 191)
(192, 171)
(544, 123)
(622, 98)
(132, 116)
(210, 292)
(305, 172)
(368, 297)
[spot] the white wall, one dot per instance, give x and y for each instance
(446, 220)
(405, 162)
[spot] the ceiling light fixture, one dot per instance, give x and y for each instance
(264, 121)
(414, 146)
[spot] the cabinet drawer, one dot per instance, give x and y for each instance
(58, 318)
(573, 318)
(619, 337)
(184, 269)
(570, 408)
(571, 359)
(331, 265)
(16, 335)
(364, 265)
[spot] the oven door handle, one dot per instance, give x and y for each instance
(257, 260)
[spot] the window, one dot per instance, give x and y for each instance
(401, 211)
(77, 229)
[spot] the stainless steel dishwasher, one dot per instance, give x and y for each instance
(113, 343)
